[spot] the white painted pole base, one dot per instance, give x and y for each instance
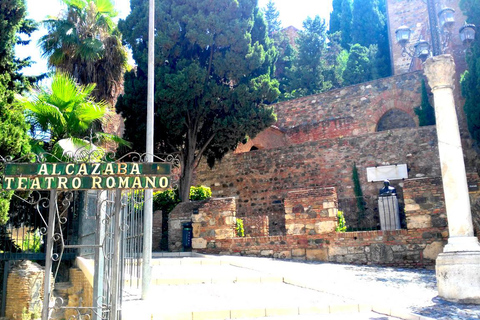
(462, 244)
(458, 276)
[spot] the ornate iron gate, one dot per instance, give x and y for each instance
(117, 215)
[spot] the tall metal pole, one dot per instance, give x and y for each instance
(52, 211)
(148, 213)
(434, 32)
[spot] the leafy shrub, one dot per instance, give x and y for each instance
(200, 193)
(239, 228)
(341, 225)
(167, 200)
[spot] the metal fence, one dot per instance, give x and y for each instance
(369, 213)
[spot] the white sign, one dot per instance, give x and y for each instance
(381, 173)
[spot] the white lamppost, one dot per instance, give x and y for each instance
(148, 197)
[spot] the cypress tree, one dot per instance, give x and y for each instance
(425, 112)
(211, 89)
(14, 140)
(272, 17)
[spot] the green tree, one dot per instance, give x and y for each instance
(425, 112)
(65, 113)
(369, 27)
(346, 24)
(209, 95)
(335, 16)
(358, 67)
(85, 42)
(470, 80)
(307, 75)
(341, 21)
(271, 16)
(14, 140)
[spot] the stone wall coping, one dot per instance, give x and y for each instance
(363, 84)
(87, 267)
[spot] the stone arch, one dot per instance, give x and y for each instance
(395, 119)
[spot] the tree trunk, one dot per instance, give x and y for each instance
(188, 165)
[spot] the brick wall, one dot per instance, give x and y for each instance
(311, 211)
(24, 290)
(256, 226)
(157, 230)
(80, 294)
(212, 219)
(416, 247)
(353, 110)
(261, 180)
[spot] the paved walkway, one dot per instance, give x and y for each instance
(225, 287)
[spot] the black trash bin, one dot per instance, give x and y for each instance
(187, 235)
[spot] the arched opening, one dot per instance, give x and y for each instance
(395, 119)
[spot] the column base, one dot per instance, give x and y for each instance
(458, 276)
(456, 244)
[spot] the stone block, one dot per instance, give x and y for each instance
(230, 220)
(224, 233)
(332, 212)
(419, 222)
(296, 229)
(325, 227)
(289, 216)
(197, 217)
(432, 250)
(337, 251)
(196, 229)
(266, 253)
(412, 207)
(317, 254)
(283, 255)
(199, 243)
(298, 253)
(328, 205)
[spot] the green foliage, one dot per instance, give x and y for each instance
(85, 43)
(358, 68)
(346, 23)
(470, 79)
(67, 113)
(425, 112)
(200, 193)
(307, 75)
(271, 15)
(239, 228)
(168, 199)
(14, 140)
(341, 224)
(32, 242)
(357, 189)
(212, 81)
(165, 200)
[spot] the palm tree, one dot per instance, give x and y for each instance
(86, 43)
(62, 117)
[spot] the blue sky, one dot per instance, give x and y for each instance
(292, 12)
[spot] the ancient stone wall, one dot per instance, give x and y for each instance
(256, 226)
(349, 111)
(262, 179)
(80, 293)
(157, 224)
(212, 219)
(25, 290)
(311, 211)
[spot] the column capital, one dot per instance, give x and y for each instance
(439, 71)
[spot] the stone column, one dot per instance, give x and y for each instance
(458, 267)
